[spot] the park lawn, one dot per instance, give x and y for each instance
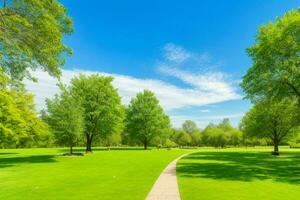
(239, 174)
(116, 174)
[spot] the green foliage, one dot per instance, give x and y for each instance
(65, 117)
(222, 134)
(103, 113)
(19, 123)
(189, 126)
(271, 119)
(146, 119)
(275, 70)
(31, 34)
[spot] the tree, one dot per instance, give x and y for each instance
(191, 128)
(215, 136)
(275, 71)
(65, 117)
(271, 119)
(102, 110)
(145, 118)
(31, 34)
(20, 125)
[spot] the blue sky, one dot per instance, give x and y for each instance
(190, 53)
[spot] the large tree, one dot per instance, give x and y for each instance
(275, 71)
(271, 119)
(102, 110)
(65, 117)
(145, 118)
(31, 34)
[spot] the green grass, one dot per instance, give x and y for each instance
(116, 174)
(239, 174)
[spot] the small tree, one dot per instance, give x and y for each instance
(65, 117)
(191, 128)
(271, 119)
(145, 118)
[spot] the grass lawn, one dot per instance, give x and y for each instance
(116, 174)
(239, 174)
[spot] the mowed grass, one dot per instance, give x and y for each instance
(239, 174)
(36, 174)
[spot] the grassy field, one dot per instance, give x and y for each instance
(239, 174)
(115, 174)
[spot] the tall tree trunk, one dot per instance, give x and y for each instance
(89, 139)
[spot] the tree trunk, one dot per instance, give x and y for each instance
(89, 139)
(145, 144)
(71, 150)
(276, 149)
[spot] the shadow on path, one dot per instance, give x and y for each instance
(241, 166)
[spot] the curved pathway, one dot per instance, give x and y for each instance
(166, 187)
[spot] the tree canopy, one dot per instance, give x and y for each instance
(31, 34)
(145, 118)
(20, 125)
(275, 71)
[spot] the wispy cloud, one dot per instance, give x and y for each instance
(176, 53)
(170, 96)
(204, 111)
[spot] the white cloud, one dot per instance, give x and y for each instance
(205, 111)
(213, 84)
(176, 53)
(170, 96)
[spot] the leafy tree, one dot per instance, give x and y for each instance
(271, 119)
(20, 125)
(145, 118)
(183, 138)
(275, 71)
(65, 117)
(189, 126)
(31, 34)
(215, 136)
(102, 110)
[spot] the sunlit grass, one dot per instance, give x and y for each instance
(239, 174)
(36, 174)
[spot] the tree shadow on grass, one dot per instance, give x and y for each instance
(12, 161)
(104, 149)
(241, 166)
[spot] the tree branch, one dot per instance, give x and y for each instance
(292, 87)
